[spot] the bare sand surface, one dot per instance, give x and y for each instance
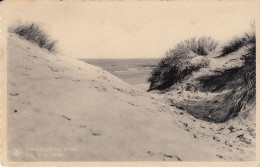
(63, 109)
(144, 87)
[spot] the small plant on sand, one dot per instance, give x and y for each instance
(178, 64)
(33, 33)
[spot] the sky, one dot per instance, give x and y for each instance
(132, 29)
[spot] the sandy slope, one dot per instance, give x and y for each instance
(65, 109)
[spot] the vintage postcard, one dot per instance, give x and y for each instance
(129, 83)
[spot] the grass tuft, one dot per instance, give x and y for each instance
(178, 63)
(233, 81)
(241, 80)
(238, 42)
(33, 33)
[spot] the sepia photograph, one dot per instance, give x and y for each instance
(129, 81)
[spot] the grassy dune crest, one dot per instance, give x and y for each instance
(240, 80)
(35, 34)
(180, 62)
(226, 78)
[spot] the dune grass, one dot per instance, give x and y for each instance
(241, 80)
(35, 34)
(177, 64)
(237, 43)
(238, 80)
(201, 46)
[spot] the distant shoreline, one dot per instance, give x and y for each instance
(116, 58)
(134, 71)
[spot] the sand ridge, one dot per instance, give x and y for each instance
(80, 112)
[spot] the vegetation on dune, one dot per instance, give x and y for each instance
(237, 80)
(238, 42)
(179, 62)
(241, 81)
(33, 33)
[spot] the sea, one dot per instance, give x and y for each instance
(132, 71)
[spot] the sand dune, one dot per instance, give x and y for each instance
(65, 109)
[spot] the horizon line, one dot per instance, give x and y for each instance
(124, 58)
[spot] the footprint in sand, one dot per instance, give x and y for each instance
(164, 156)
(95, 132)
(53, 69)
(14, 94)
(67, 118)
(82, 126)
(150, 153)
(170, 156)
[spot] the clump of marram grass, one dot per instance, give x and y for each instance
(232, 83)
(202, 46)
(238, 42)
(177, 64)
(35, 34)
(241, 80)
